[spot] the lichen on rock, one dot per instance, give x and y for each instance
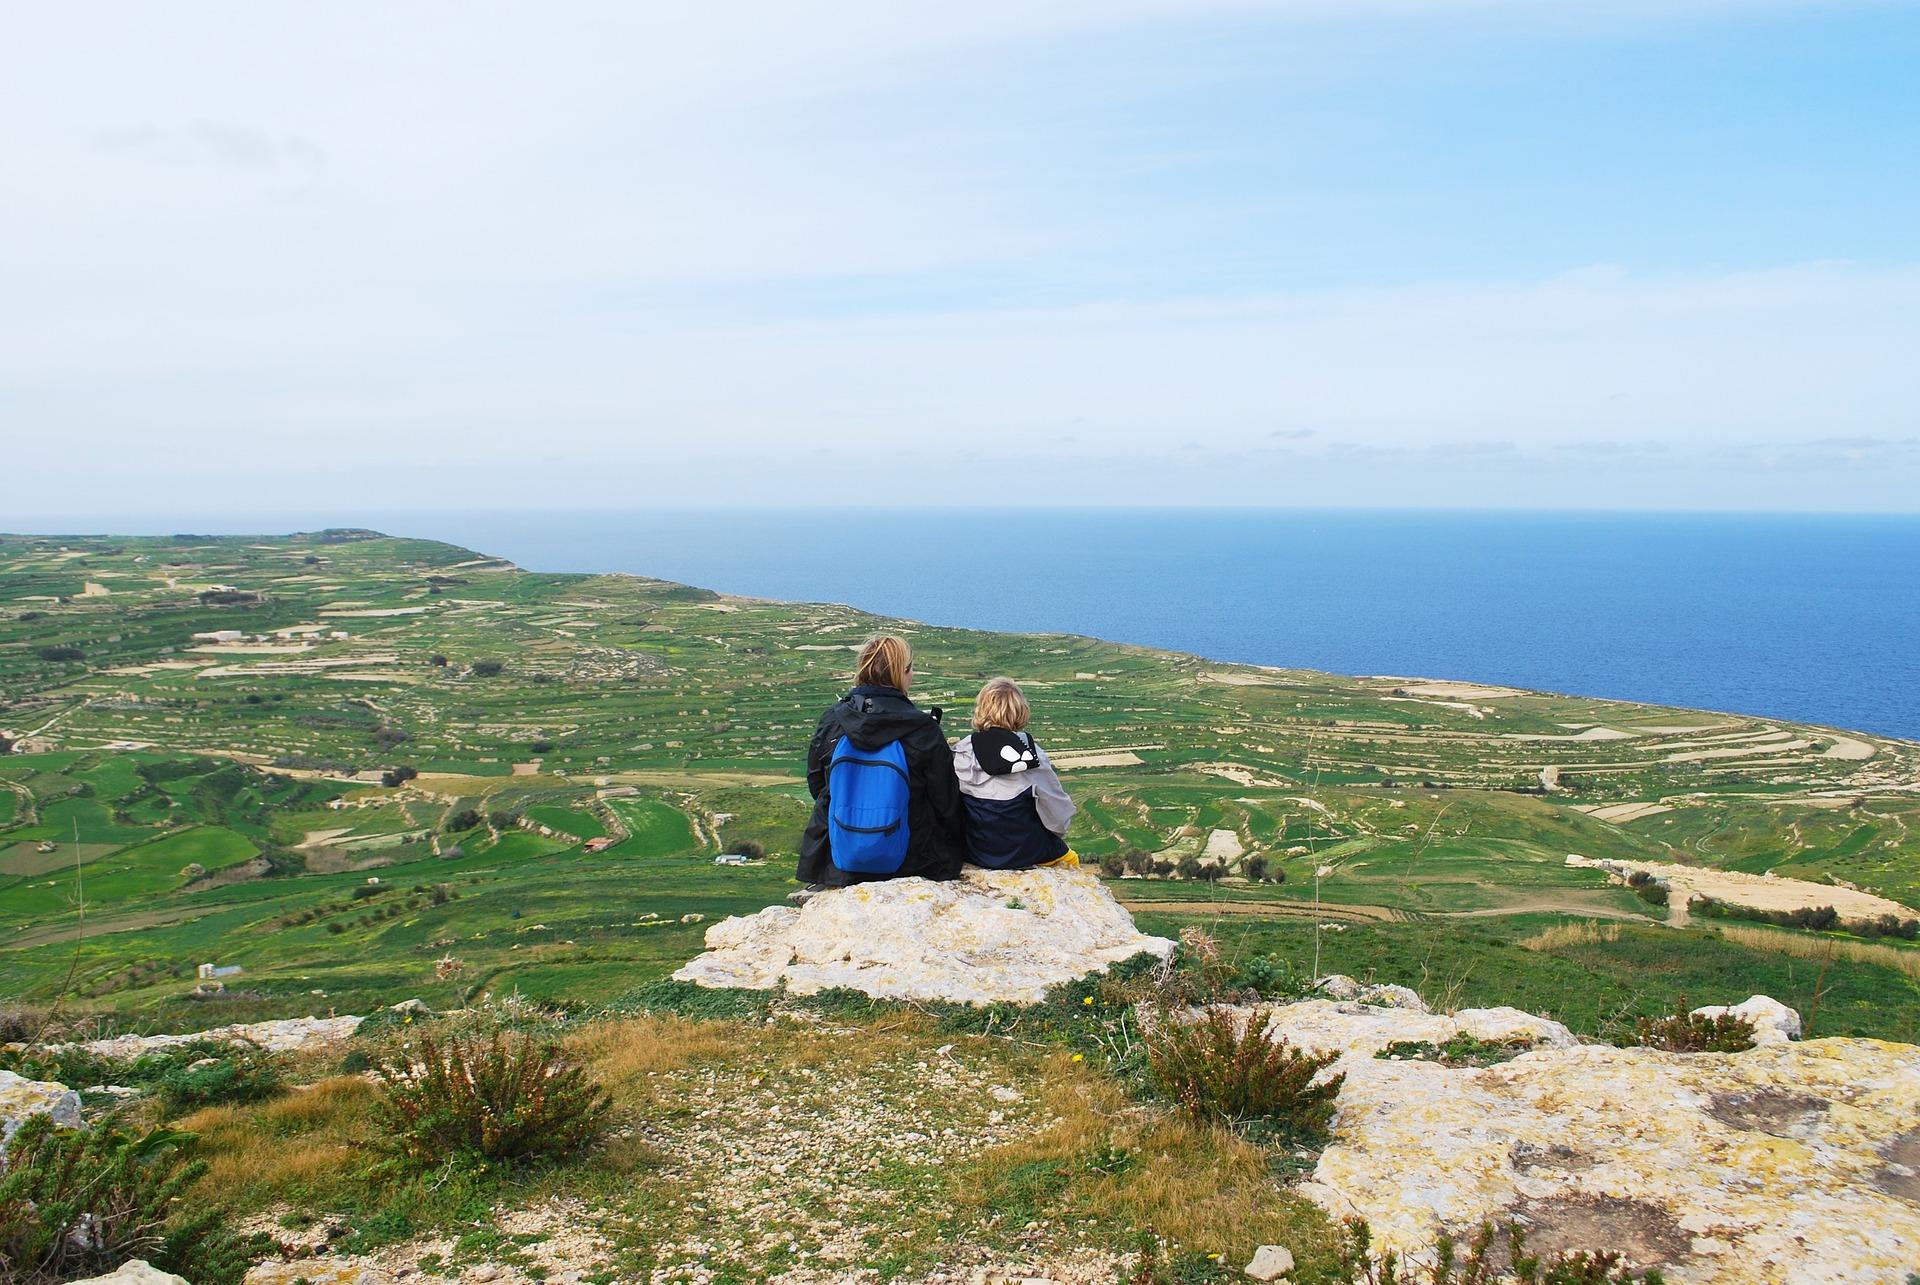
(988, 936)
(21, 1099)
(1791, 1162)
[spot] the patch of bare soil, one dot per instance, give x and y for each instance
(1784, 1115)
(1645, 1235)
(1901, 1175)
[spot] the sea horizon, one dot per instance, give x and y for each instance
(1802, 617)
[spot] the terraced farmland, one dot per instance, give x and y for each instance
(244, 732)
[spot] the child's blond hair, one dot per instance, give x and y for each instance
(1001, 704)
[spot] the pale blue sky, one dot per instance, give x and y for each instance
(1453, 252)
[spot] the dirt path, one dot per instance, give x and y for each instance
(1269, 910)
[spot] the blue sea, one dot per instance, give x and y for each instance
(1811, 618)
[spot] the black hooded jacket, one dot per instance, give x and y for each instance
(872, 717)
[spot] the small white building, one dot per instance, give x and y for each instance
(729, 859)
(220, 636)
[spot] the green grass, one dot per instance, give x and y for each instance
(1418, 807)
(654, 829)
(577, 822)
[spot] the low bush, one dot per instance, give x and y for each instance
(1685, 1032)
(181, 1077)
(1461, 1050)
(502, 1097)
(235, 1073)
(80, 1202)
(1219, 1068)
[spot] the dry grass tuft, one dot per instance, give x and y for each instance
(1582, 932)
(1824, 949)
(1199, 1186)
(313, 1139)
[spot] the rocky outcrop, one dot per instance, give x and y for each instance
(990, 935)
(319, 1271)
(1773, 1022)
(1792, 1162)
(21, 1099)
(290, 1035)
(136, 1272)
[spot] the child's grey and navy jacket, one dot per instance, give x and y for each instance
(1017, 809)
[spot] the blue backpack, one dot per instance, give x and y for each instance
(867, 808)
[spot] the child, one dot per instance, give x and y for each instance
(1016, 808)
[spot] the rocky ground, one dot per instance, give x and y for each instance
(991, 935)
(806, 1148)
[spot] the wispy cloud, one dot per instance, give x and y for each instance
(1174, 250)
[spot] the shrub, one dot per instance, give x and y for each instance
(57, 654)
(541, 747)
(1113, 865)
(486, 668)
(1218, 1068)
(1685, 1032)
(398, 775)
(500, 1098)
(1271, 977)
(21, 1023)
(465, 819)
(237, 1073)
(1654, 894)
(79, 1202)
(752, 849)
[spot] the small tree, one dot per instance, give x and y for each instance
(1113, 865)
(486, 668)
(752, 849)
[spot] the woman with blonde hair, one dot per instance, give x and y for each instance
(885, 801)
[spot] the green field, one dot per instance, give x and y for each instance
(229, 805)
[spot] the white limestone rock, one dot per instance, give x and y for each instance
(1340, 986)
(1773, 1022)
(319, 1271)
(990, 935)
(137, 1271)
(289, 1035)
(1270, 1263)
(1357, 1030)
(1792, 1162)
(21, 1099)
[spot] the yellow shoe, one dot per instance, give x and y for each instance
(1070, 860)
